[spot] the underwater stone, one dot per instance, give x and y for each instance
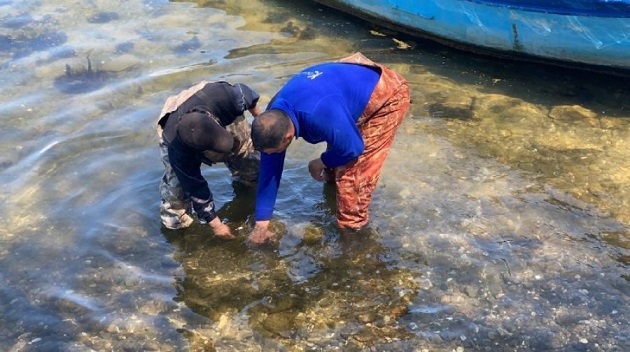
(104, 17)
(15, 22)
(82, 80)
(188, 46)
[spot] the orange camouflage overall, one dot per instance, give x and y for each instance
(381, 118)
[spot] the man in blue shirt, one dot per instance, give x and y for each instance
(355, 106)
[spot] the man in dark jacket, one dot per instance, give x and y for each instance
(204, 124)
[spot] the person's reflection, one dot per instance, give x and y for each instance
(238, 210)
(235, 212)
(223, 281)
(218, 278)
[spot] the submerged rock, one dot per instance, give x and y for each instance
(81, 80)
(104, 17)
(188, 46)
(16, 21)
(22, 45)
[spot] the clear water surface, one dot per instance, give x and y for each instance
(501, 220)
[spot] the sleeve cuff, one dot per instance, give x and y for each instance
(263, 214)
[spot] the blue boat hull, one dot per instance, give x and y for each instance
(585, 32)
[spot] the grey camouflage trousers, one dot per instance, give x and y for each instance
(243, 162)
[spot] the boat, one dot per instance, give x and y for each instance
(583, 33)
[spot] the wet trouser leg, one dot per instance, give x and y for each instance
(175, 207)
(378, 127)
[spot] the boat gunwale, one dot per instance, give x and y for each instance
(384, 22)
(588, 8)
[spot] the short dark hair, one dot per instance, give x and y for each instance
(269, 129)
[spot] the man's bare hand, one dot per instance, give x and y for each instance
(255, 111)
(221, 230)
(316, 167)
(261, 235)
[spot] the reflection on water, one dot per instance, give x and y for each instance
(332, 292)
(501, 220)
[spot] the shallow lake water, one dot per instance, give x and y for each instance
(501, 221)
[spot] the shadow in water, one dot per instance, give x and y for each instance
(318, 285)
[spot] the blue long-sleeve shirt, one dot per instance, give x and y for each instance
(324, 103)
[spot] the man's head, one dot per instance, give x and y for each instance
(272, 131)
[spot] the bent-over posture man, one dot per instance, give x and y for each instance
(204, 124)
(355, 106)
